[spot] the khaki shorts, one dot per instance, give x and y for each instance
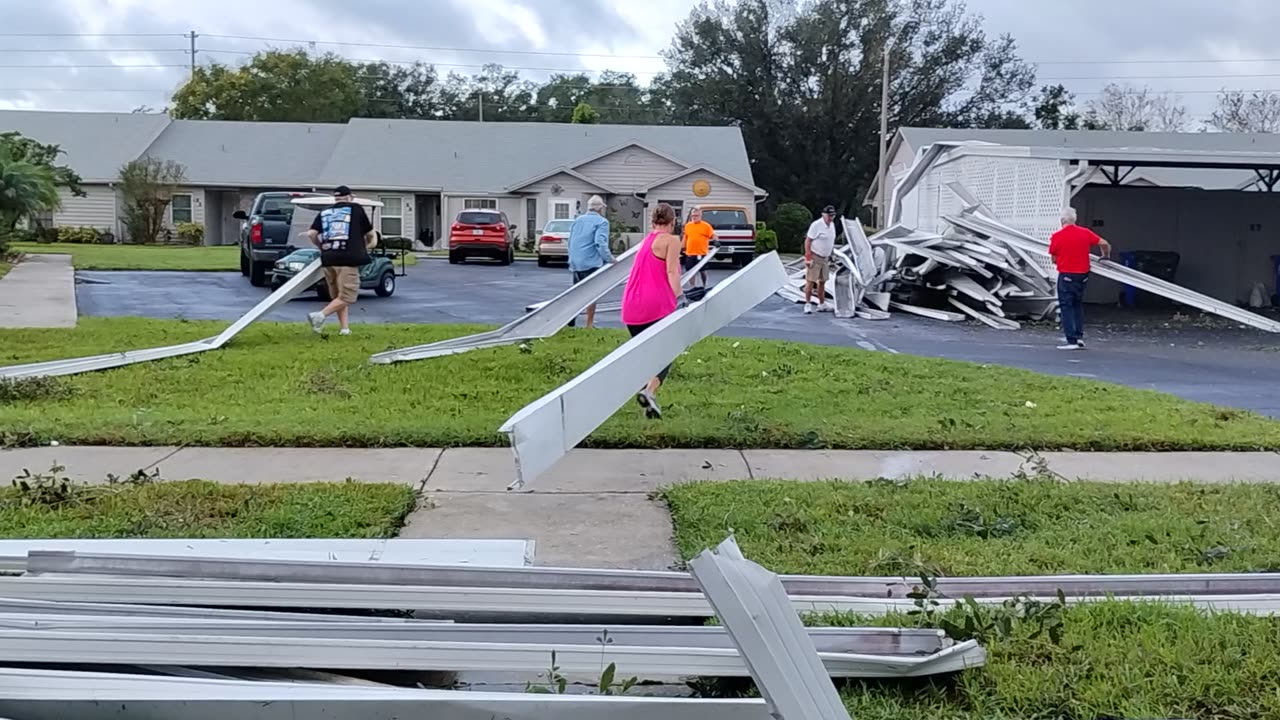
(819, 269)
(343, 282)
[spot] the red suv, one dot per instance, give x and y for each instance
(482, 233)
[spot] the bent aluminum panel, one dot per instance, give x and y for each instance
(36, 694)
(543, 322)
(779, 655)
(548, 428)
(647, 662)
(287, 292)
(616, 306)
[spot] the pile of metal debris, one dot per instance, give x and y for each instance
(184, 628)
(977, 268)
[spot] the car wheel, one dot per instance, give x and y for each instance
(454, 258)
(509, 257)
(387, 285)
(543, 262)
(244, 264)
(258, 274)
(322, 292)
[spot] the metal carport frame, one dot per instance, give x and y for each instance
(549, 427)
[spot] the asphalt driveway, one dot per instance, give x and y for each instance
(1216, 363)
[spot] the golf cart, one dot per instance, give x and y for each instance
(379, 274)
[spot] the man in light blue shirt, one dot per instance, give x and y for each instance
(589, 247)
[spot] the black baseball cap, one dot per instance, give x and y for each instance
(829, 210)
(341, 191)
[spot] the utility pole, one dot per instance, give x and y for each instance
(882, 174)
(480, 94)
(192, 36)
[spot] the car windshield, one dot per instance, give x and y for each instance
(477, 217)
(726, 219)
(558, 226)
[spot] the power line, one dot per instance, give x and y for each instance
(93, 35)
(459, 65)
(434, 48)
(56, 51)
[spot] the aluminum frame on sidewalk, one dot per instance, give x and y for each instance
(548, 428)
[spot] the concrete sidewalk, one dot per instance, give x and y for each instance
(595, 508)
(39, 292)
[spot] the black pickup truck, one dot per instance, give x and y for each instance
(264, 234)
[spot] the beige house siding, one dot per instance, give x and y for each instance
(629, 169)
(97, 209)
(723, 192)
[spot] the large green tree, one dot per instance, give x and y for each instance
(276, 85)
(27, 189)
(803, 83)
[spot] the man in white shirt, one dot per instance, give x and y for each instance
(819, 243)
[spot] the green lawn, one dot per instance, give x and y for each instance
(140, 257)
(1114, 659)
(280, 384)
(204, 509)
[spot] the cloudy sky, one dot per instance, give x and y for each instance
(75, 55)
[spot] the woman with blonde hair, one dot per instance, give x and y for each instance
(653, 289)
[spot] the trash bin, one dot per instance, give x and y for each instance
(1161, 264)
(1275, 267)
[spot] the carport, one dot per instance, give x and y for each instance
(1226, 239)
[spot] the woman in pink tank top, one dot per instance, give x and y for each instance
(652, 289)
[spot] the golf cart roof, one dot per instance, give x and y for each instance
(316, 202)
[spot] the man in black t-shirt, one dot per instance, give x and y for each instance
(344, 235)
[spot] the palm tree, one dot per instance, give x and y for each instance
(26, 190)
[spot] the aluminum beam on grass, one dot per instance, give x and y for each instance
(779, 655)
(398, 551)
(665, 581)
(35, 694)
(616, 306)
(647, 662)
(541, 323)
(548, 428)
(303, 280)
(116, 612)
(1114, 271)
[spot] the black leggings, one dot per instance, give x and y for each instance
(636, 330)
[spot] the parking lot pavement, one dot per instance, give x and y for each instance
(1234, 368)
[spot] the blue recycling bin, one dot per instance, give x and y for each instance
(1275, 269)
(1161, 264)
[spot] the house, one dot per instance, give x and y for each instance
(910, 140)
(425, 172)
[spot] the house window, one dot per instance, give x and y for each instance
(531, 217)
(392, 216)
(561, 209)
(480, 204)
(180, 209)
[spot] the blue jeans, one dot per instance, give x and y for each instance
(1071, 288)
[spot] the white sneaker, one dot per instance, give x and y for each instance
(344, 331)
(808, 308)
(825, 307)
(317, 321)
(1070, 346)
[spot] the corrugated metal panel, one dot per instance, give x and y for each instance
(97, 209)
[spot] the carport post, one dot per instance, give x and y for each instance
(1084, 173)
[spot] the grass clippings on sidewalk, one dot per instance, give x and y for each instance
(141, 257)
(282, 385)
(1114, 659)
(198, 509)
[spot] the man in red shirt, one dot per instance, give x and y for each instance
(1070, 250)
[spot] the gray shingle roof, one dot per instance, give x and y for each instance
(472, 156)
(281, 155)
(97, 145)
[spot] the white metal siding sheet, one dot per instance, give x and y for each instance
(629, 169)
(97, 209)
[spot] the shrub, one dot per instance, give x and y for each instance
(395, 243)
(191, 233)
(790, 221)
(766, 239)
(77, 235)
